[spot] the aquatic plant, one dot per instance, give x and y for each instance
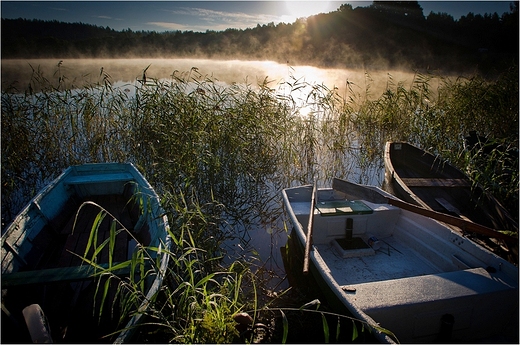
(200, 300)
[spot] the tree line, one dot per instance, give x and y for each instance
(382, 35)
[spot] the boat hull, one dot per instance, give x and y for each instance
(45, 247)
(421, 278)
(422, 179)
(418, 177)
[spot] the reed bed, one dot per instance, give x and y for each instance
(219, 155)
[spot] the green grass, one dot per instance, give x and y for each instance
(199, 297)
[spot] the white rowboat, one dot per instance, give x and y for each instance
(419, 279)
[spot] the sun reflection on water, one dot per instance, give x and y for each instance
(78, 72)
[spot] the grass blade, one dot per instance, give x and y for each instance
(112, 242)
(92, 240)
(285, 327)
(338, 329)
(354, 331)
(326, 332)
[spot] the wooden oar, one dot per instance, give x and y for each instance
(373, 195)
(450, 208)
(308, 242)
(461, 223)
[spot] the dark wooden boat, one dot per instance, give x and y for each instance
(420, 178)
(44, 270)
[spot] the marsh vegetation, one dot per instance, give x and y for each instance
(219, 154)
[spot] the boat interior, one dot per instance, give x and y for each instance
(41, 240)
(388, 260)
(442, 187)
(41, 259)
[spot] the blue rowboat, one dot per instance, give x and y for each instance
(43, 252)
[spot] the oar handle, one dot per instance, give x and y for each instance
(308, 242)
(461, 223)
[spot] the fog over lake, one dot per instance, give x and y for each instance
(80, 72)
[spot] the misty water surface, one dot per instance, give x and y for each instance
(81, 72)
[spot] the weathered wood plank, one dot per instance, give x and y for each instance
(360, 191)
(308, 243)
(121, 248)
(435, 182)
(458, 222)
(77, 241)
(54, 275)
(100, 178)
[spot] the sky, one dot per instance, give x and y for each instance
(207, 15)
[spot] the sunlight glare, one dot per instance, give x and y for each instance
(299, 9)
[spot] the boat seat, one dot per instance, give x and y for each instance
(15, 255)
(422, 300)
(101, 178)
(436, 182)
(57, 275)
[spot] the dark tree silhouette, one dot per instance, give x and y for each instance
(384, 34)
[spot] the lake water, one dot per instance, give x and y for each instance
(78, 72)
